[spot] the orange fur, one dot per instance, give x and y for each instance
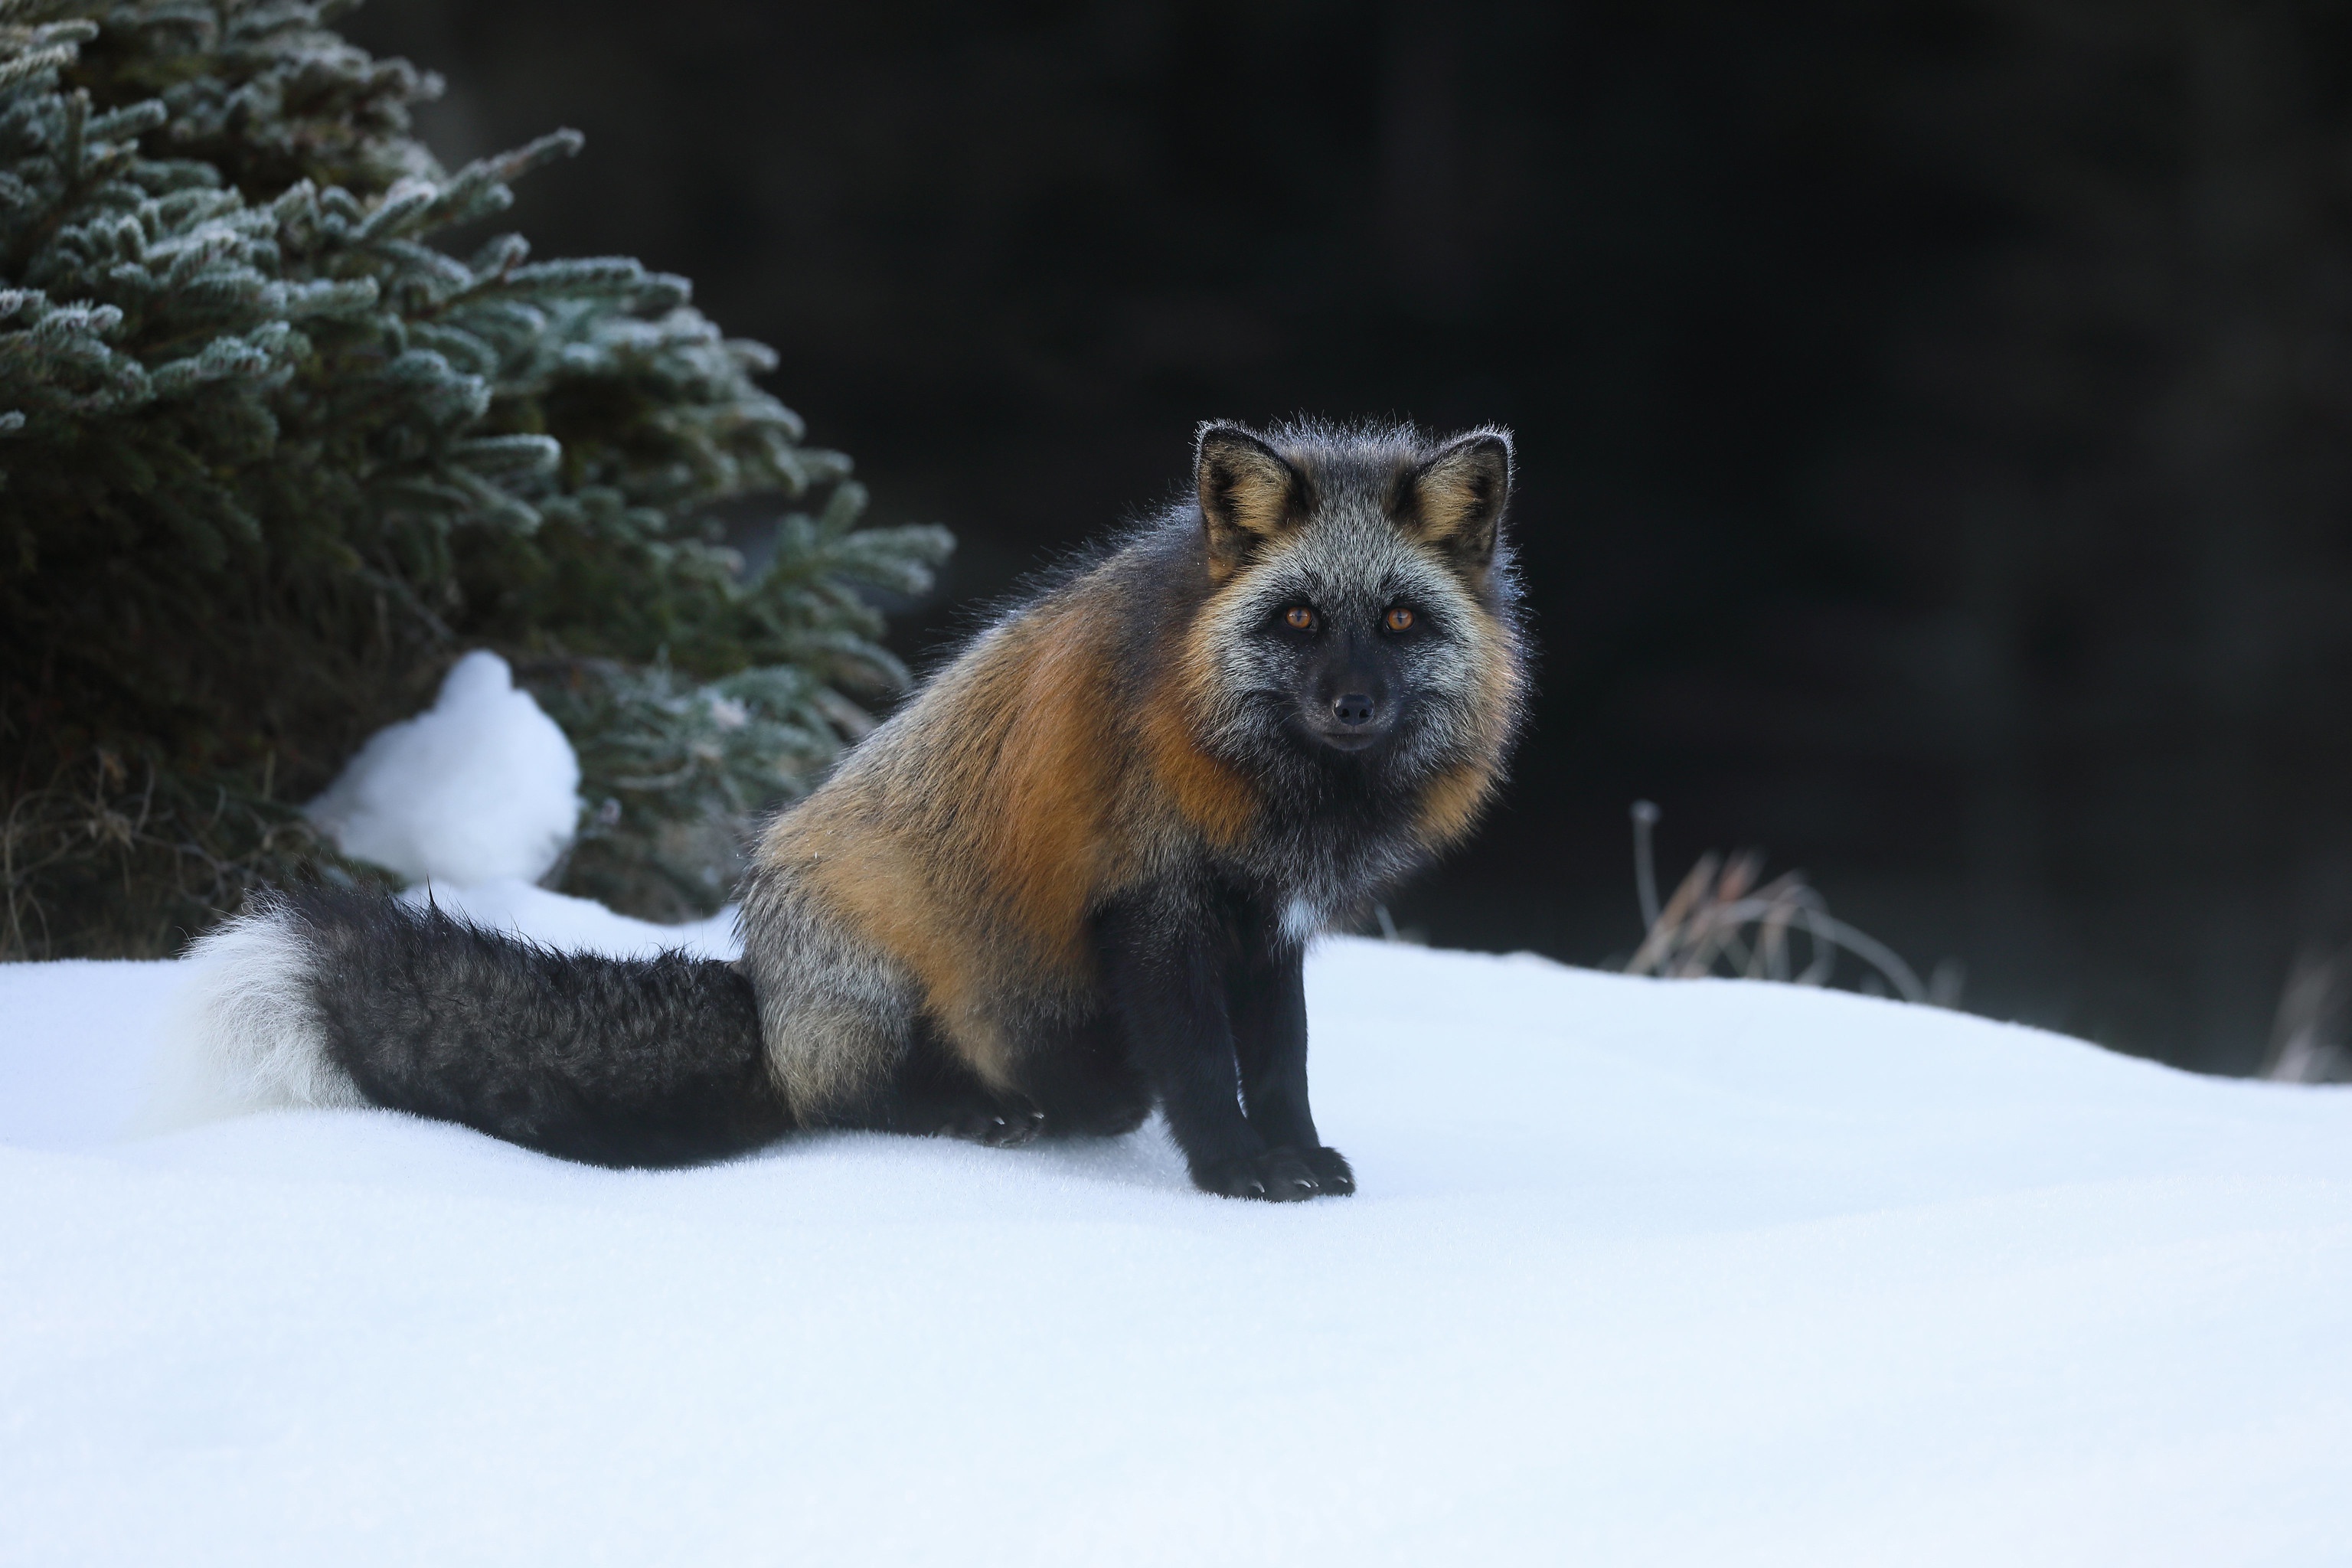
(985, 857)
(1451, 804)
(1208, 796)
(1052, 790)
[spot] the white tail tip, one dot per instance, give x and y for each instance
(245, 1032)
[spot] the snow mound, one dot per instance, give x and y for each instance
(481, 787)
(1641, 1271)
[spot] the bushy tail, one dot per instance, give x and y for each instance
(327, 998)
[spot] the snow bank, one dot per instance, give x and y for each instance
(481, 787)
(1640, 1272)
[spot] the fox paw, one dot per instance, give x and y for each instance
(998, 1127)
(1332, 1172)
(1277, 1177)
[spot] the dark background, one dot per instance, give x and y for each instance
(1931, 416)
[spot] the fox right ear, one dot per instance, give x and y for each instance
(1455, 499)
(1249, 493)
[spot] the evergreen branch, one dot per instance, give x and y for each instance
(481, 187)
(251, 409)
(18, 67)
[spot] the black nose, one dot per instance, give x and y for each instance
(1355, 708)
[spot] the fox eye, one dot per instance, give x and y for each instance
(1399, 619)
(1299, 618)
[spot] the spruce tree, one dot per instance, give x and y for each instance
(272, 454)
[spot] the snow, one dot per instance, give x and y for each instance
(481, 787)
(1641, 1271)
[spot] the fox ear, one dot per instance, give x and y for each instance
(1249, 493)
(1455, 499)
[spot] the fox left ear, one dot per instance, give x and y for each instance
(1455, 499)
(1248, 491)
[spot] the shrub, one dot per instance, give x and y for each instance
(272, 455)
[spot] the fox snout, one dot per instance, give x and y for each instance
(1356, 716)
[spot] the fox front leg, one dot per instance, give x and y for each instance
(1266, 1000)
(1167, 975)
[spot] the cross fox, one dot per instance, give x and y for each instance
(1072, 878)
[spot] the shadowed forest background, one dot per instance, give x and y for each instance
(1932, 417)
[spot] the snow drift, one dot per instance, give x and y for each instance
(1641, 1271)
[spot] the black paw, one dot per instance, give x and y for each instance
(1332, 1172)
(1278, 1176)
(999, 1127)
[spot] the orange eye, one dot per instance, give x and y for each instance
(1400, 620)
(1301, 618)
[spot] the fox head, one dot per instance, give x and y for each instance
(1359, 610)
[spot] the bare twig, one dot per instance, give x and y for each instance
(1708, 922)
(180, 859)
(1645, 871)
(2309, 1035)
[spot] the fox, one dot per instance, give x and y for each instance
(1072, 880)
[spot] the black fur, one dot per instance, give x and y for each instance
(1209, 994)
(615, 1062)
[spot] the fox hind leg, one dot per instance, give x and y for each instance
(1080, 1073)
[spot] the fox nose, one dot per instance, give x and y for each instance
(1355, 708)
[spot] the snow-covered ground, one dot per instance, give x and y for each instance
(1641, 1272)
